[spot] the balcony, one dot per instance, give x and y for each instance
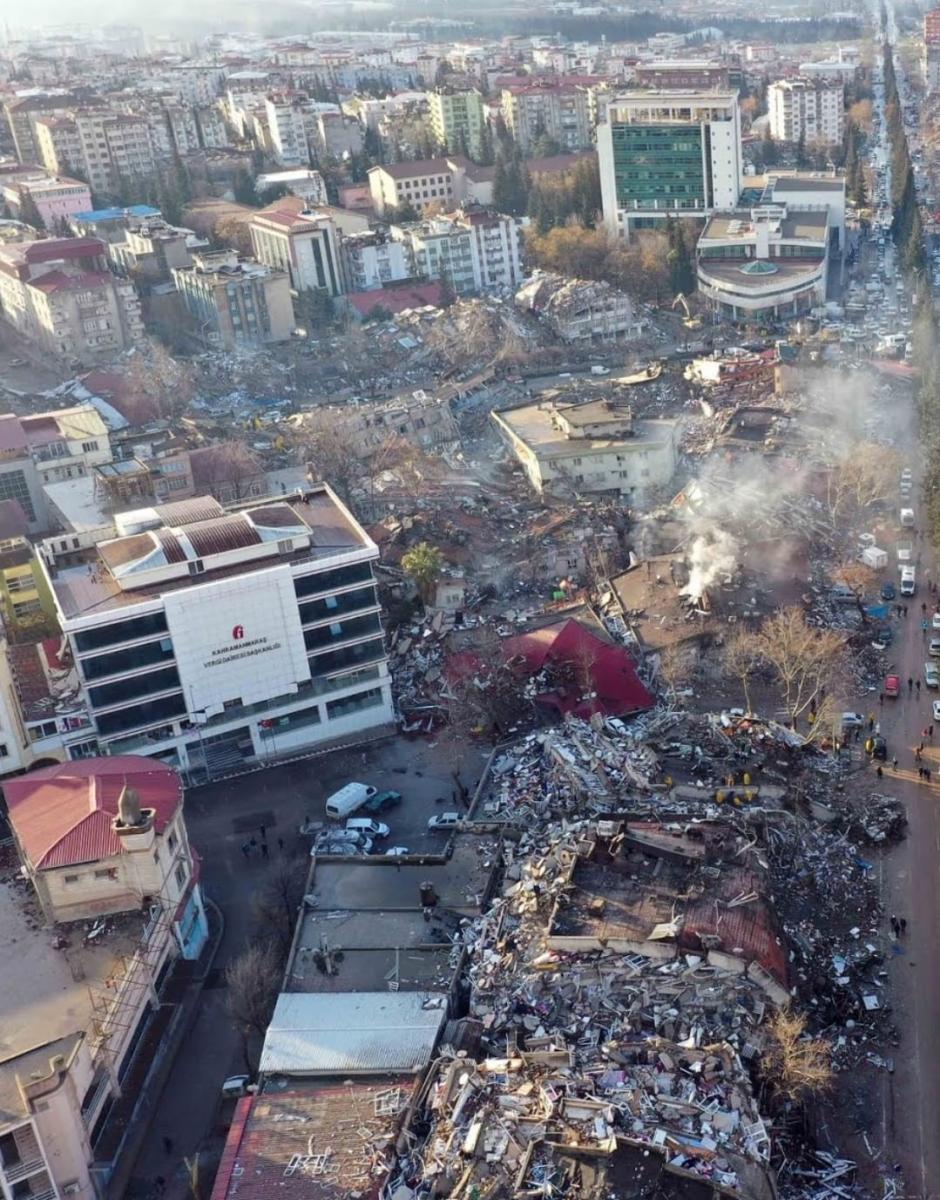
(24, 1168)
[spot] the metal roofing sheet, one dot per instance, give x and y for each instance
(221, 535)
(367, 1032)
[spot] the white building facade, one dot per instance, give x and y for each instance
(811, 109)
(215, 639)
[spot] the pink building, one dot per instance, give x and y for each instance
(57, 197)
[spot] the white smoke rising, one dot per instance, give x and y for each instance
(712, 555)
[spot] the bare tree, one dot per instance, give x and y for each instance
(676, 665)
(489, 695)
(742, 656)
(253, 980)
(169, 383)
(825, 722)
(278, 899)
(866, 474)
(803, 659)
(859, 579)
(797, 1066)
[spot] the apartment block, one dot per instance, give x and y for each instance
(60, 295)
(475, 250)
(558, 107)
(372, 259)
(213, 637)
(235, 302)
(811, 109)
(304, 244)
(103, 147)
(668, 153)
(287, 129)
(438, 181)
(457, 120)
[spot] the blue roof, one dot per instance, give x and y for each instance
(115, 214)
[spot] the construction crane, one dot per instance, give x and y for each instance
(689, 321)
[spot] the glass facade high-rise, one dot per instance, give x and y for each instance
(659, 166)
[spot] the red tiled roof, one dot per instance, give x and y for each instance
(52, 249)
(396, 299)
(12, 436)
(62, 815)
(136, 407)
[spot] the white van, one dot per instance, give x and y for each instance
(908, 581)
(907, 518)
(349, 798)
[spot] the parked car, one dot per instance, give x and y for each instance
(852, 720)
(346, 839)
(373, 829)
(348, 799)
(893, 685)
(936, 710)
(381, 803)
(447, 820)
(397, 851)
(931, 675)
(888, 591)
(877, 747)
(936, 620)
(934, 648)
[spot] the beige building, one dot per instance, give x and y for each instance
(60, 295)
(236, 302)
(102, 842)
(598, 446)
(103, 147)
(438, 181)
(558, 107)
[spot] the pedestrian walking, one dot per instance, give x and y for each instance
(894, 762)
(917, 755)
(280, 844)
(264, 849)
(923, 608)
(879, 772)
(246, 850)
(871, 723)
(904, 925)
(167, 1145)
(881, 699)
(160, 1184)
(917, 685)
(253, 843)
(263, 830)
(895, 925)
(910, 684)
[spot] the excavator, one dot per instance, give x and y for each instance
(688, 321)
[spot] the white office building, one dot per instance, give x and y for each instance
(215, 638)
(668, 153)
(811, 109)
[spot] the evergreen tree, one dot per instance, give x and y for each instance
(29, 211)
(771, 155)
(801, 149)
(486, 157)
(243, 188)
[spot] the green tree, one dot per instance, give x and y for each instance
(29, 211)
(681, 269)
(423, 564)
(801, 149)
(771, 155)
(243, 188)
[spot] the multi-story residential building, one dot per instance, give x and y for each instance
(372, 259)
(66, 443)
(286, 118)
(811, 109)
(197, 83)
(235, 302)
(214, 637)
(557, 107)
(474, 250)
(103, 147)
(457, 120)
(668, 154)
(56, 196)
(111, 224)
(685, 74)
(23, 111)
(213, 134)
(60, 295)
(598, 446)
(19, 478)
(303, 244)
(102, 842)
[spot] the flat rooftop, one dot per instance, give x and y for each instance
(808, 183)
(117, 577)
(738, 225)
(52, 998)
(533, 424)
(307, 1140)
(366, 951)
(460, 883)
(789, 272)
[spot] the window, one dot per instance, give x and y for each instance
(106, 873)
(70, 878)
(172, 840)
(196, 567)
(350, 704)
(46, 729)
(285, 546)
(88, 447)
(180, 875)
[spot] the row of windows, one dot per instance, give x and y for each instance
(134, 686)
(329, 581)
(327, 606)
(120, 631)
(326, 635)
